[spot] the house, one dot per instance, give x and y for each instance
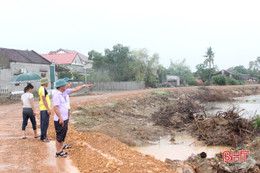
(71, 59)
(173, 80)
(224, 73)
(14, 62)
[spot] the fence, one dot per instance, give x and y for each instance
(4, 92)
(112, 86)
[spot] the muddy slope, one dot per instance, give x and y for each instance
(143, 120)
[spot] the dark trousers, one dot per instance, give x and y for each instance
(28, 114)
(44, 124)
(61, 131)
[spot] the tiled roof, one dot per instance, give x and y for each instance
(61, 58)
(81, 56)
(24, 56)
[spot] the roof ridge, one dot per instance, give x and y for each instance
(40, 56)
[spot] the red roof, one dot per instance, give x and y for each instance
(63, 58)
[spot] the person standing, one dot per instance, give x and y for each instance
(45, 108)
(28, 110)
(66, 94)
(61, 116)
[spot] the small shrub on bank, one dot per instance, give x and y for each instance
(256, 123)
(231, 81)
(219, 80)
(222, 80)
(162, 92)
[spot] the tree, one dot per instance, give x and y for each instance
(161, 72)
(179, 68)
(203, 72)
(151, 70)
(238, 72)
(209, 61)
(121, 64)
(254, 68)
(145, 67)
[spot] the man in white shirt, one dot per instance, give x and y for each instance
(66, 94)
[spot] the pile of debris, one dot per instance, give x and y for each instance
(177, 115)
(226, 128)
(216, 164)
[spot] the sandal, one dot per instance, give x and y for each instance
(61, 154)
(24, 137)
(37, 136)
(66, 146)
(65, 153)
(46, 140)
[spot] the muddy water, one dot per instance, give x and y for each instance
(183, 147)
(250, 104)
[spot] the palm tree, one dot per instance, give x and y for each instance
(209, 61)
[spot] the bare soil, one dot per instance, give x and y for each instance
(143, 120)
(128, 113)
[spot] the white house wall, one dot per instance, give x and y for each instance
(7, 74)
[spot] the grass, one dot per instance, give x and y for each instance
(256, 123)
(91, 107)
(162, 92)
(114, 106)
(84, 121)
(250, 100)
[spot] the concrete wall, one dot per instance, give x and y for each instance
(117, 86)
(8, 73)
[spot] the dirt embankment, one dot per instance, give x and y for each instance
(145, 118)
(139, 121)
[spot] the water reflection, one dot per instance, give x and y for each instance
(183, 147)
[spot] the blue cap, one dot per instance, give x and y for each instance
(67, 79)
(60, 83)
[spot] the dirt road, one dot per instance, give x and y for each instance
(102, 153)
(91, 152)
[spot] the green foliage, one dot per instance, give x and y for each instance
(231, 81)
(161, 72)
(71, 73)
(203, 72)
(77, 77)
(219, 80)
(254, 68)
(179, 68)
(162, 92)
(209, 61)
(121, 64)
(64, 74)
(222, 80)
(98, 76)
(256, 123)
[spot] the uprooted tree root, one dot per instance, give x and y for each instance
(178, 115)
(226, 128)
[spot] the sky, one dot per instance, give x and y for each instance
(175, 29)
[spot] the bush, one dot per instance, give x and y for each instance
(231, 81)
(219, 80)
(222, 80)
